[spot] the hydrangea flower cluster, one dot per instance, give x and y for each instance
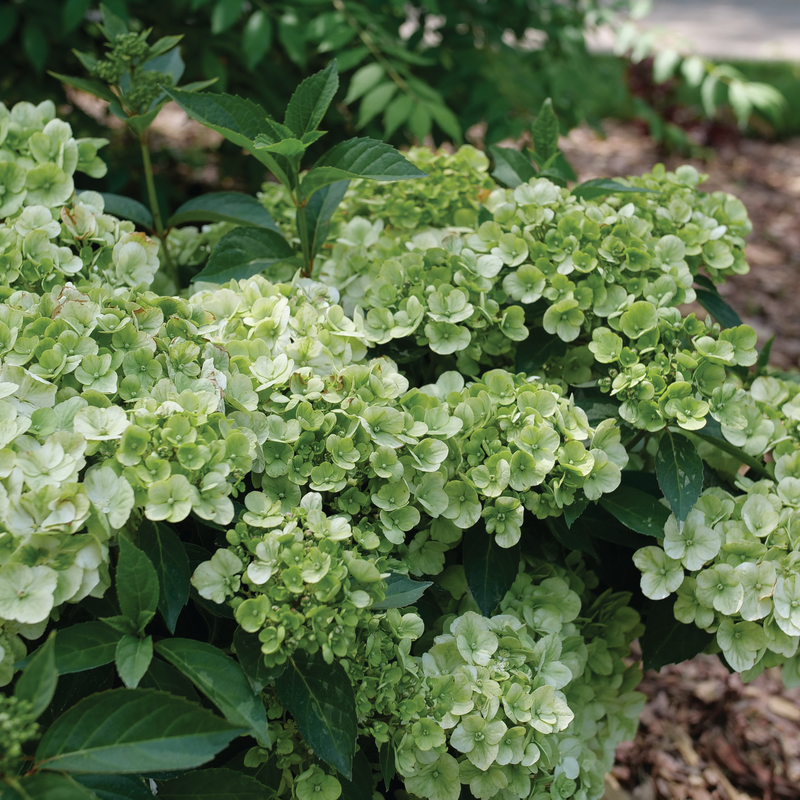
(39, 156)
(42, 247)
(528, 703)
(605, 277)
(733, 562)
(295, 576)
(459, 182)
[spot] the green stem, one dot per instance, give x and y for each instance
(302, 230)
(172, 270)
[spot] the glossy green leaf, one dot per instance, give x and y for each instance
(319, 210)
(236, 207)
(574, 511)
(397, 114)
(47, 786)
(490, 569)
(288, 148)
(212, 784)
(320, 698)
(221, 680)
(37, 684)
(94, 87)
(359, 158)
(667, 641)
(113, 25)
(165, 678)
(718, 308)
(637, 510)
(763, 356)
(402, 591)
(511, 168)
(679, 470)
(386, 758)
(237, 119)
(600, 187)
(167, 554)
(257, 38)
(137, 584)
(359, 787)
(247, 647)
(116, 787)
(81, 647)
(133, 657)
(545, 131)
(311, 99)
(133, 731)
(244, 252)
(164, 45)
(125, 208)
(447, 121)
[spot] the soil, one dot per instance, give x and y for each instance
(704, 735)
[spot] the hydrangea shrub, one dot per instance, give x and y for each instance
(396, 513)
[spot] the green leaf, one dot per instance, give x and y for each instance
(81, 647)
(90, 85)
(34, 44)
(637, 510)
(600, 187)
(311, 99)
(375, 101)
(320, 698)
(46, 786)
(667, 641)
(537, 350)
(164, 45)
(221, 680)
(166, 553)
(125, 208)
(8, 21)
(490, 569)
(236, 207)
(679, 470)
(224, 14)
(386, 759)
(575, 537)
(247, 647)
(712, 433)
(359, 158)
(244, 252)
(718, 308)
(37, 684)
(545, 131)
(257, 38)
(319, 210)
(237, 119)
(574, 511)
(212, 784)
(446, 120)
(72, 13)
(397, 114)
(511, 168)
(402, 591)
(113, 25)
(360, 786)
(363, 80)
(116, 787)
(133, 657)
(137, 584)
(763, 356)
(133, 731)
(288, 148)
(165, 678)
